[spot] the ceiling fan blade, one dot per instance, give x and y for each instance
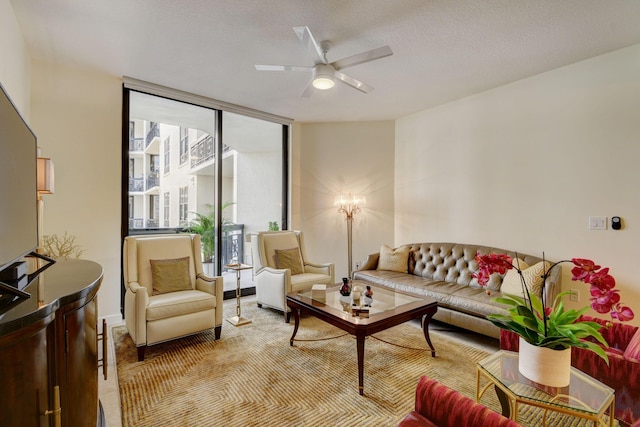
(363, 57)
(362, 87)
(282, 68)
(308, 90)
(304, 34)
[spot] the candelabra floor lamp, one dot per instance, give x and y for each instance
(349, 205)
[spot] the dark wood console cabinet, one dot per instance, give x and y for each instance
(49, 349)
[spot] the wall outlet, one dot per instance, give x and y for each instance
(357, 265)
(575, 295)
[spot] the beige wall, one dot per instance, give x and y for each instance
(523, 167)
(14, 60)
(76, 115)
(330, 158)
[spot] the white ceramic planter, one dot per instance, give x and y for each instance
(544, 365)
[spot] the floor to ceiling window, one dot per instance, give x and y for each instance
(197, 168)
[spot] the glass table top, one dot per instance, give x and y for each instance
(383, 300)
(584, 393)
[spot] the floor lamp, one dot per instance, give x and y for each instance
(349, 206)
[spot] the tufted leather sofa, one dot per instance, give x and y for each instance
(443, 271)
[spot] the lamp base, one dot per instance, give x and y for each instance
(238, 321)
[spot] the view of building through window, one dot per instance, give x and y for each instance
(172, 170)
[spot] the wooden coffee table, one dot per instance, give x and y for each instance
(387, 308)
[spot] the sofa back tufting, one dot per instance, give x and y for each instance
(455, 262)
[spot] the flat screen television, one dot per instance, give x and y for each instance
(18, 185)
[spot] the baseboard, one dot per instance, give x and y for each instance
(112, 320)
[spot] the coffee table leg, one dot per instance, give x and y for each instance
(425, 329)
(360, 343)
(296, 317)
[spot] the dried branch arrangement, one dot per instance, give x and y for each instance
(61, 247)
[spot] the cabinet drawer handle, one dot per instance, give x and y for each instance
(57, 411)
(105, 349)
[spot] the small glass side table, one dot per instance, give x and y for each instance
(238, 320)
(584, 397)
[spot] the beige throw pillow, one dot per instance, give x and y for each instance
(170, 275)
(511, 283)
(394, 259)
(291, 259)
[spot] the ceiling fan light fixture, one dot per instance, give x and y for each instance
(323, 82)
(323, 77)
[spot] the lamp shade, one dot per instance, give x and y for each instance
(350, 200)
(45, 175)
(323, 77)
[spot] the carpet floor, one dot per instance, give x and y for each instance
(253, 377)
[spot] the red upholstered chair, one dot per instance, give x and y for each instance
(440, 406)
(623, 372)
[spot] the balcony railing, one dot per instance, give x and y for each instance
(154, 131)
(233, 243)
(136, 144)
(153, 180)
(153, 223)
(202, 151)
(136, 184)
(136, 223)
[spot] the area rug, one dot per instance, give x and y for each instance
(253, 377)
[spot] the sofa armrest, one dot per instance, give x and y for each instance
(326, 268)
(213, 286)
(208, 284)
(445, 407)
(274, 278)
(371, 263)
(136, 302)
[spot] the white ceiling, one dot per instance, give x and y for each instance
(443, 49)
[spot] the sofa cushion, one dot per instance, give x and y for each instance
(291, 259)
(394, 259)
(170, 275)
(511, 283)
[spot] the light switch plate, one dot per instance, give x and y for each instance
(597, 223)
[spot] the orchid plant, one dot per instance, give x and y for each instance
(554, 326)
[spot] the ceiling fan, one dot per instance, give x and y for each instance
(325, 72)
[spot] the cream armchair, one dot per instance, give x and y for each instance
(167, 295)
(280, 266)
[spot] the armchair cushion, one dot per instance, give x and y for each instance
(170, 275)
(174, 304)
(291, 259)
